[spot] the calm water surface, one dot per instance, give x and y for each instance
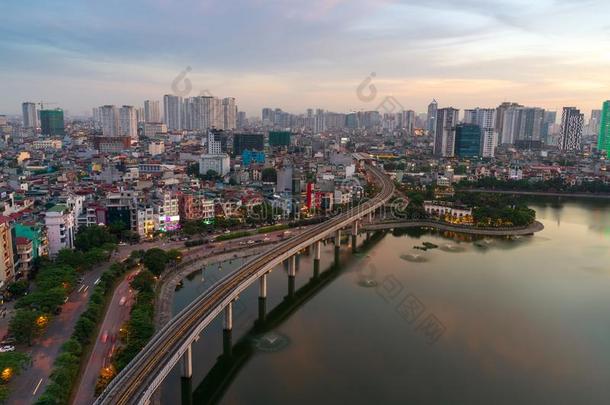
(497, 321)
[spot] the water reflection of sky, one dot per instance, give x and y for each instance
(526, 321)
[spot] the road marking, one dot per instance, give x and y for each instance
(37, 386)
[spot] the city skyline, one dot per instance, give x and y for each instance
(474, 54)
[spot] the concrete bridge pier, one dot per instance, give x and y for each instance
(187, 363)
(262, 298)
(337, 246)
(355, 227)
(292, 272)
(338, 239)
(227, 331)
(317, 249)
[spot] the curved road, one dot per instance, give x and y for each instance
(138, 381)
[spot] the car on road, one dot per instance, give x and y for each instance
(105, 336)
(5, 349)
(122, 301)
(251, 242)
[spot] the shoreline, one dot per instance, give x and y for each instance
(595, 196)
(536, 226)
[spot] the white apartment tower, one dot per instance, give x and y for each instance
(128, 123)
(151, 111)
(109, 117)
(30, 119)
(229, 109)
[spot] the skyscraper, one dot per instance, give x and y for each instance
(52, 122)
(444, 137)
(468, 140)
(432, 121)
(500, 112)
(109, 120)
(30, 120)
(572, 122)
(172, 112)
(407, 121)
(485, 118)
(523, 126)
(206, 112)
(151, 111)
(128, 123)
(229, 110)
(603, 140)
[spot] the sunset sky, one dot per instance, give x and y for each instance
(307, 54)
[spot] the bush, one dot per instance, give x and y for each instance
(233, 235)
(18, 288)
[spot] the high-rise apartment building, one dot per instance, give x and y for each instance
(229, 110)
(432, 121)
(172, 112)
(523, 126)
(603, 140)
(110, 120)
(444, 137)
(485, 118)
(128, 123)
(30, 118)
(206, 112)
(152, 113)
(406, 121)
(500, 112)
(572, 122)
(52, 122)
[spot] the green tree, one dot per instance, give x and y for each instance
(269, 175)
(211, 175)
(23, 325)
(155, 260)
(18, 288)
(93, 236)
(144, 281)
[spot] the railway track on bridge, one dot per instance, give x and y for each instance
(137, 382)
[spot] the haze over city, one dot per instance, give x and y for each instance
(298, 55)
(304, 202)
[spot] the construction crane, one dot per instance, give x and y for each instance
(42, 103)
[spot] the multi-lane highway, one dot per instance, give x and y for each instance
(138, 381)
